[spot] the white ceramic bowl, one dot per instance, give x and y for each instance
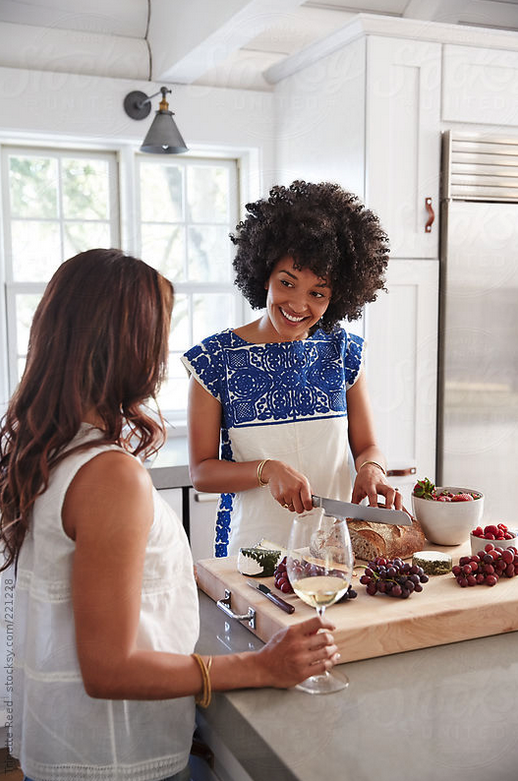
(479, 543)
(449, 523)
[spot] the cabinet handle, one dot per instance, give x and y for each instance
(203, 497)
(409, 470)
(431, 215)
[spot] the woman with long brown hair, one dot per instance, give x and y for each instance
(106, 613)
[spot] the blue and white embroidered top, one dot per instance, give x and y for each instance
(284, 401)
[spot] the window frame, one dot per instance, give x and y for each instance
(12, 287)
(125, 216)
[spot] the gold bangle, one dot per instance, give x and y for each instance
(374, 463)
(204, 697)
(260, 466)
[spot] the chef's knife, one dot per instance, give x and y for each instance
(361, 512)
(268, 593)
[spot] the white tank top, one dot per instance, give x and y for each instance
(59, 732)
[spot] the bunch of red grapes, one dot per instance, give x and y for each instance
(487, 566)
(283, 584)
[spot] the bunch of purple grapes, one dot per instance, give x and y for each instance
(393, 577)
(283, 584)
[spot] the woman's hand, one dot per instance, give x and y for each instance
(297, 652)
(370, 482)
(287, 486)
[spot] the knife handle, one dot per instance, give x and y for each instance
(280, 603)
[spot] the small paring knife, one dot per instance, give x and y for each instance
(268, 593)
(362, 512)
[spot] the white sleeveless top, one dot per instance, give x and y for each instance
(59, 732)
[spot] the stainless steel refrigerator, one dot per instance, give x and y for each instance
(478, 338)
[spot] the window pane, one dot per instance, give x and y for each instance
(85, 189)
(209, 253)
(207, 194)
(36, 250)
(163, 247)
(25, 308)
(173, 393)
(179, 337)
(212, 312)
(80, 236)
(161, 192)
(33, 186)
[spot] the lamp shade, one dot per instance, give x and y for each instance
(163, 137)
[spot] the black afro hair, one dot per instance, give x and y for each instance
(324, 229)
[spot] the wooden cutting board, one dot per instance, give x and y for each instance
(376, 626)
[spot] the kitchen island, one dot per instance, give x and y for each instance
(445, 712)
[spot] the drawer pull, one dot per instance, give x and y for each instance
(225, 606)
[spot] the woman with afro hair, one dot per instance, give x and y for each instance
(276, 405)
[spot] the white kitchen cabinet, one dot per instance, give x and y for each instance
(368, 117)
(372, 124)
(403, 142)
(480, 86)
(202, 521)
(401, 364)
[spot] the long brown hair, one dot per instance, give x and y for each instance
(98, 340)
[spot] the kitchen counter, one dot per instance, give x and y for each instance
(444, 712)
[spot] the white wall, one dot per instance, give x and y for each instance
(54, 108)
(89, 109)
(320, 115)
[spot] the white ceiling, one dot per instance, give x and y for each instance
(225, 43)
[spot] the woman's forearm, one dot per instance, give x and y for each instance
(213, 475)
(152, 675)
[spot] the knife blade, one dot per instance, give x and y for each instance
(362, 512)
(268, 593)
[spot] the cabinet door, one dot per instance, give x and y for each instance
(202, 515)
(401, 364)
(403, 141)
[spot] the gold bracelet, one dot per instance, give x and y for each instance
(374, 463)
(260, 466)
(204, 697)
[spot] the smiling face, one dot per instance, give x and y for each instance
(295, 302)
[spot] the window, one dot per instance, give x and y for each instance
(187, 208)
(57, 203)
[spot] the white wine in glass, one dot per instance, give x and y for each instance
(320, 565)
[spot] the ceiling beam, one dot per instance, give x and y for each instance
(189, 38)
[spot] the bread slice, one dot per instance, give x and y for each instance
(370, 540)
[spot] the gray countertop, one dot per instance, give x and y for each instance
(444, 712)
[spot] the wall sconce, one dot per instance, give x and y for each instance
(163, 137)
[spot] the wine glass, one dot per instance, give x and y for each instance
(320, 565)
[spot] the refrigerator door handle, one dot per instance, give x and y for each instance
(431, 215)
